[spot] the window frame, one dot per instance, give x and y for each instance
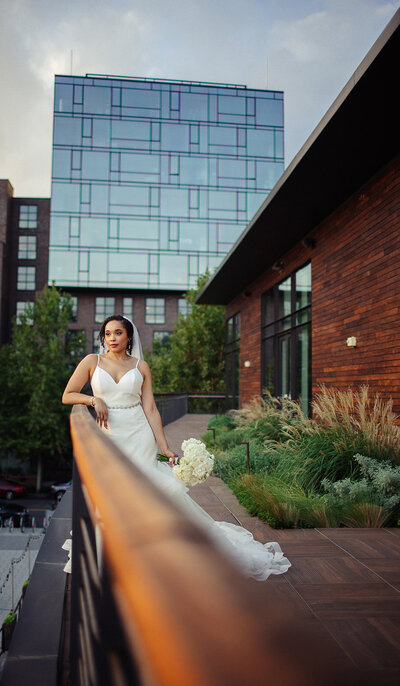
(106, 310)
(31, 221)
(28, 252)
(28, 281)
(232, 362)
(286, 326)
(154, 317)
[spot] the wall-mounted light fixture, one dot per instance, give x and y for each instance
(247, 363)
(351, 342)
(308, 242)
(278, 266)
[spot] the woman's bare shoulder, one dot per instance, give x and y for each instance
(89, 361)
(143, 367)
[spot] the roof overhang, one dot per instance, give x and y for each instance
(358, 136)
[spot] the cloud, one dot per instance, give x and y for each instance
(312, 48)
(313, 57)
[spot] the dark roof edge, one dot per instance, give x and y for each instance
(371, 55)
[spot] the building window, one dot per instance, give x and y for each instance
(161, 337)
(27, 248)
(155, 310)
(104, 307)
(127, 308)
(96, 341)
(232, 362)
(26, 279)
(21, 308)
(184, 307)
(28, 217)
(286, 338)
(74, 303)
(74, 339)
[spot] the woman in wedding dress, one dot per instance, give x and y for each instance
(125, 409)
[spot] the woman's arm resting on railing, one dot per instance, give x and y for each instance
(152, 413)
(72, 394)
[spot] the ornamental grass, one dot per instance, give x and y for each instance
(345, 423)
(365, 515)
(292, 454)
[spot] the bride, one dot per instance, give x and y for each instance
(125, 409)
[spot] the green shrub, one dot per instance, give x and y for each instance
(308, 459)
(228, 466)
(222, 422)
(377, 483)
(10, 618)
(311, 472)
(285, 506)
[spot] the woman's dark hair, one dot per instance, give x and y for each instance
(125, 323)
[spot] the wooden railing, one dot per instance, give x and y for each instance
(153, 601)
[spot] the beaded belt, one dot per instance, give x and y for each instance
(125, 407)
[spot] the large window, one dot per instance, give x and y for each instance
(21, 309)
(155, 310)
(232, 362)
(286, 337)
(127, 308)
(184, 307)
(26, 278)
(161, 337)
(27, 248)
(28, 216)
(104, 307)
(74, 303)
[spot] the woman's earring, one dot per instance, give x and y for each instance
(129, 346)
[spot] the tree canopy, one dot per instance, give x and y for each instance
(34, 369)
(192, 360)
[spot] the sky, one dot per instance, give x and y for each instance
(307, 48)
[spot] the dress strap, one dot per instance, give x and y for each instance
(137, 364)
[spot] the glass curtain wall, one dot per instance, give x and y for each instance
(152, 181)
(232, 362)
(286, 338)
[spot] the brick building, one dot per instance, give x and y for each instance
(24, 253)
(312, 287)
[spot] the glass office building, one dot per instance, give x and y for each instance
(153, 181)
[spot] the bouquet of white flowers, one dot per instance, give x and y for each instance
(196, 464)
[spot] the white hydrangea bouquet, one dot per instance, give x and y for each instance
(196, 464)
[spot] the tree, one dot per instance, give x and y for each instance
(193, 358)
(34, 369)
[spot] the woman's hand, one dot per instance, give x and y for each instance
(101, 412)
(170, 453)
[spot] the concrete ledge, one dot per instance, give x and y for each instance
(33, 655)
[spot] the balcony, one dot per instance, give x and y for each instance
(151, 601)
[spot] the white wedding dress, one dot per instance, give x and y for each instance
(129, 429)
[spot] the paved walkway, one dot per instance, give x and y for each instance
(343, 586)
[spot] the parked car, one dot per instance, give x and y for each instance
(10, 489)
(58, 490)
(15, 511)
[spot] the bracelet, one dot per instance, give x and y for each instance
(92, 401)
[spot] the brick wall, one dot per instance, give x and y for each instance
(355, 292)
(42, 254)
(6, 192)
